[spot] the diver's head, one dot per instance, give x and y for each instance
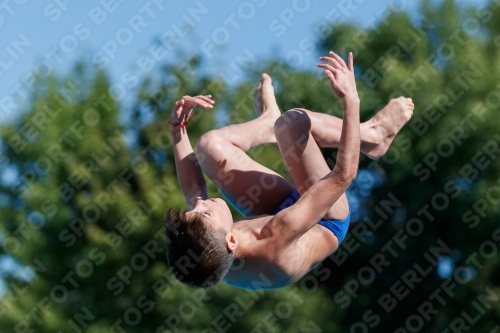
(200, 243)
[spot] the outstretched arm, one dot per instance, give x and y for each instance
(294, 221)
(343, 85)
(189, 173)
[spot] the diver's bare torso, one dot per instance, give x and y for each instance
(273, 264)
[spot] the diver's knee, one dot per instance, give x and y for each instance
(290, 120)
(209, 141)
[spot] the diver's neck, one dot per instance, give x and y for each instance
(246, 240)
(249, 232)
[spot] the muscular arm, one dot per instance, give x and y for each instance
(294, 221)
(189, 173)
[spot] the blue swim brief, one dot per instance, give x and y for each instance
(338, 227)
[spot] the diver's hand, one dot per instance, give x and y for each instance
(183, 108)
(341, 76)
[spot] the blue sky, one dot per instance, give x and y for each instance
(116, 33)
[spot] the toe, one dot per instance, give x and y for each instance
(400, 101)
(258, 90)
(408, 115)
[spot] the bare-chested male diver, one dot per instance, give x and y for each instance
(288, 228)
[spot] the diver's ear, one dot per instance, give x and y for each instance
(231, 241)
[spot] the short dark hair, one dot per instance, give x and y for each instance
(196, 250)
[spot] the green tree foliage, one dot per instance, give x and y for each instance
(83, 216)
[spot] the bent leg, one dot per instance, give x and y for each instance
(303, 158)
(251, 188)
(376, 134)
(300, 134)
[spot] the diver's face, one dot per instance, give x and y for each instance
(215, 212)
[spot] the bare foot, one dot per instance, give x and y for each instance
(265, 104)
(264, 100)
(384, 126)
